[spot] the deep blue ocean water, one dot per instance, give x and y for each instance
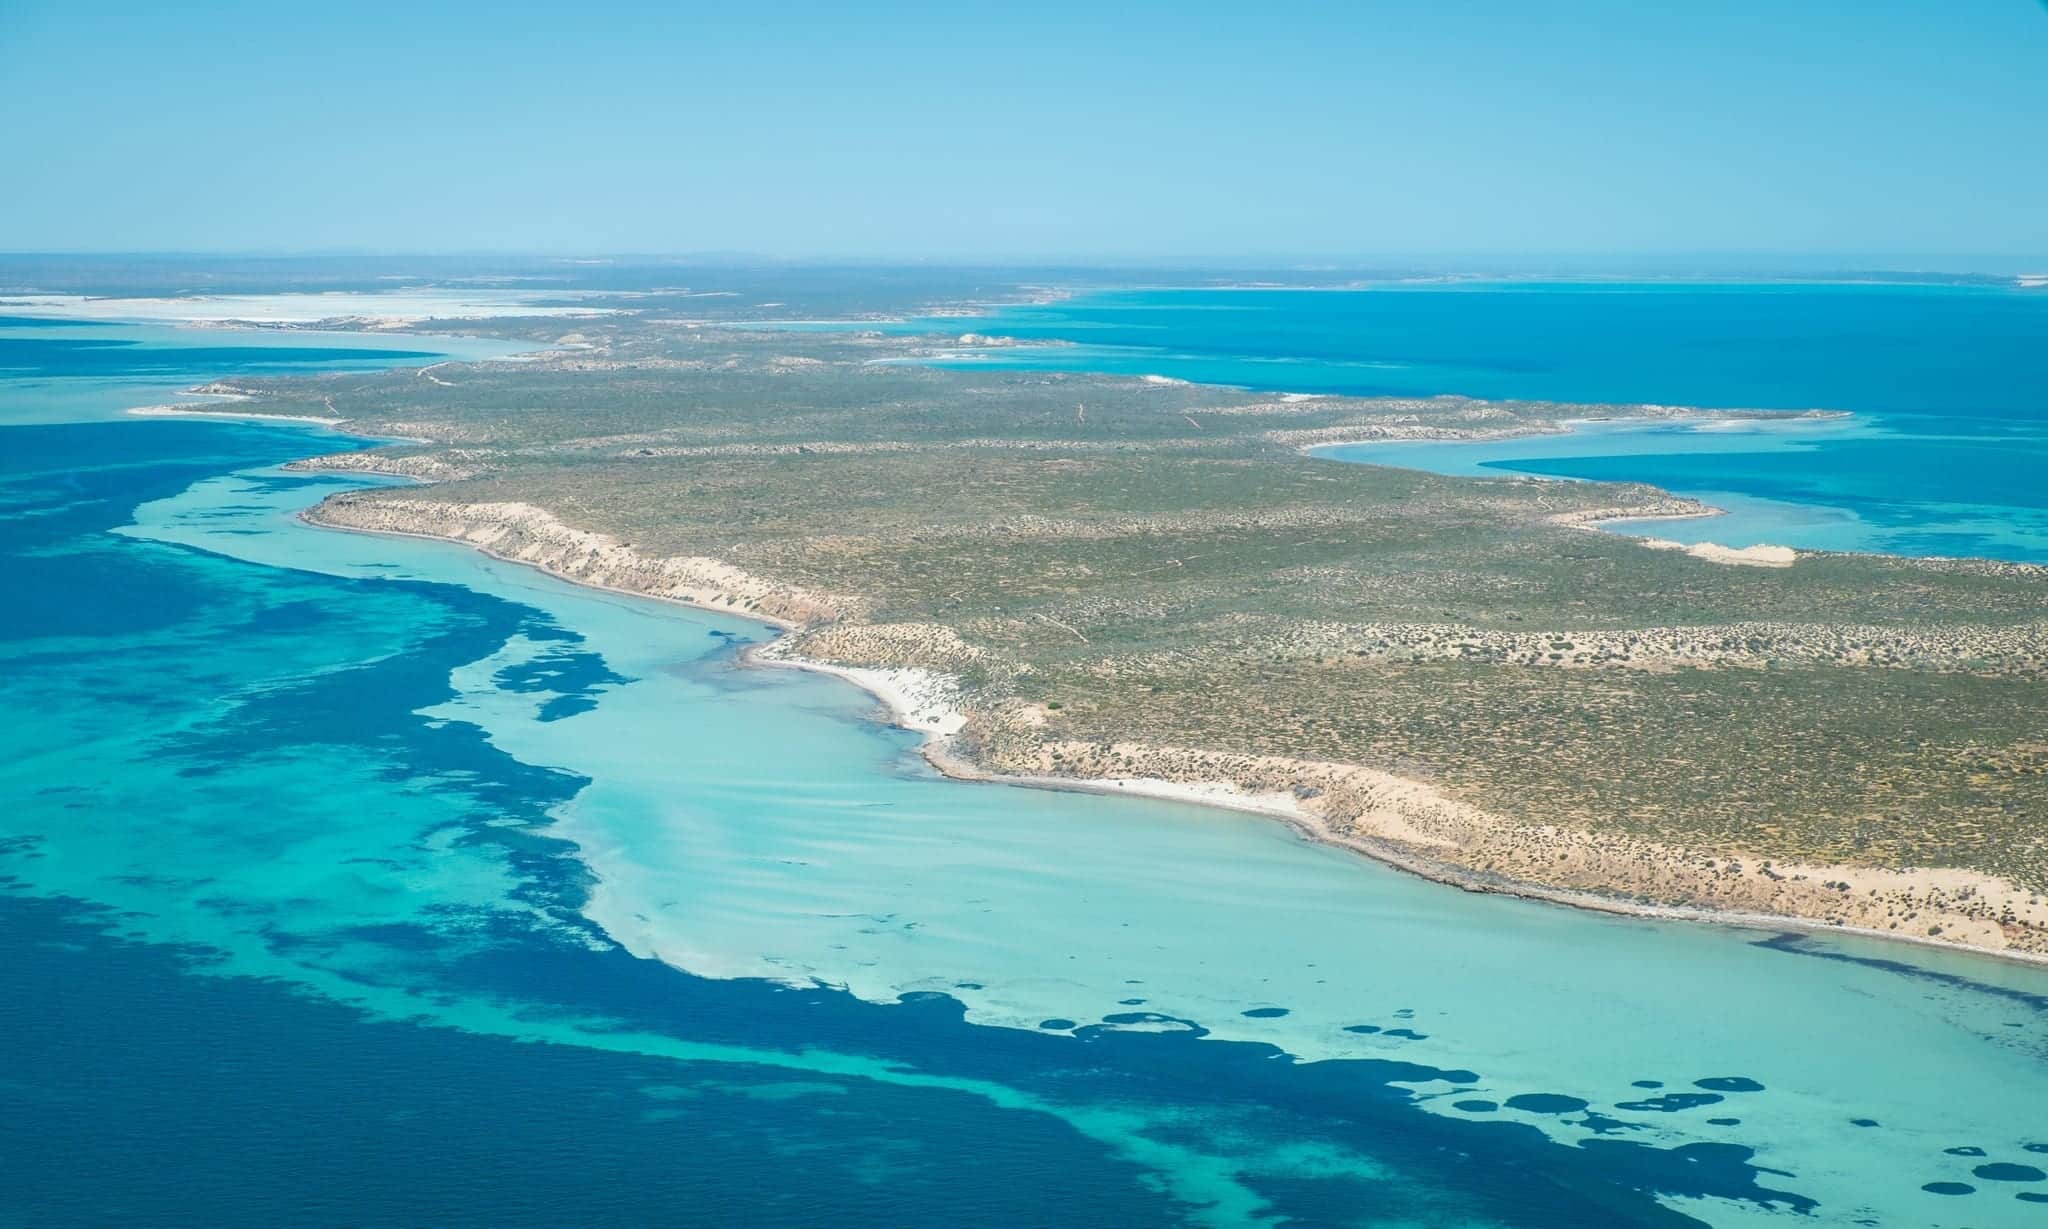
(334, 868)
(1947, 386)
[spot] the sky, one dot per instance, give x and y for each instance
(966, 131)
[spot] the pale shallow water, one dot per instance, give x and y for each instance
(439, 790)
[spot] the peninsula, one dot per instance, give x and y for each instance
(1151, 586)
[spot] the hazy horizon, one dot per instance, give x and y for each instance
(1146, 134)
(1446, 264)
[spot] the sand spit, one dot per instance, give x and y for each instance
(1405, 823)
(1675, 508)
(1758, 556)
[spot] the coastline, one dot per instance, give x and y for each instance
(931, 704)
(1221, 796)
(927, 702)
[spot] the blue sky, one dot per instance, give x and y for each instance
(967, 130)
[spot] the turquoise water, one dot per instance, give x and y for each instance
(1947, 387)
(357, 880)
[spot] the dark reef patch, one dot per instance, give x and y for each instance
(2006, 1171)
(1729, 1083)
(576, 677)
(1545, 1103)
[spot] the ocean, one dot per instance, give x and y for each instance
(370, 881)
(1945, 388)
